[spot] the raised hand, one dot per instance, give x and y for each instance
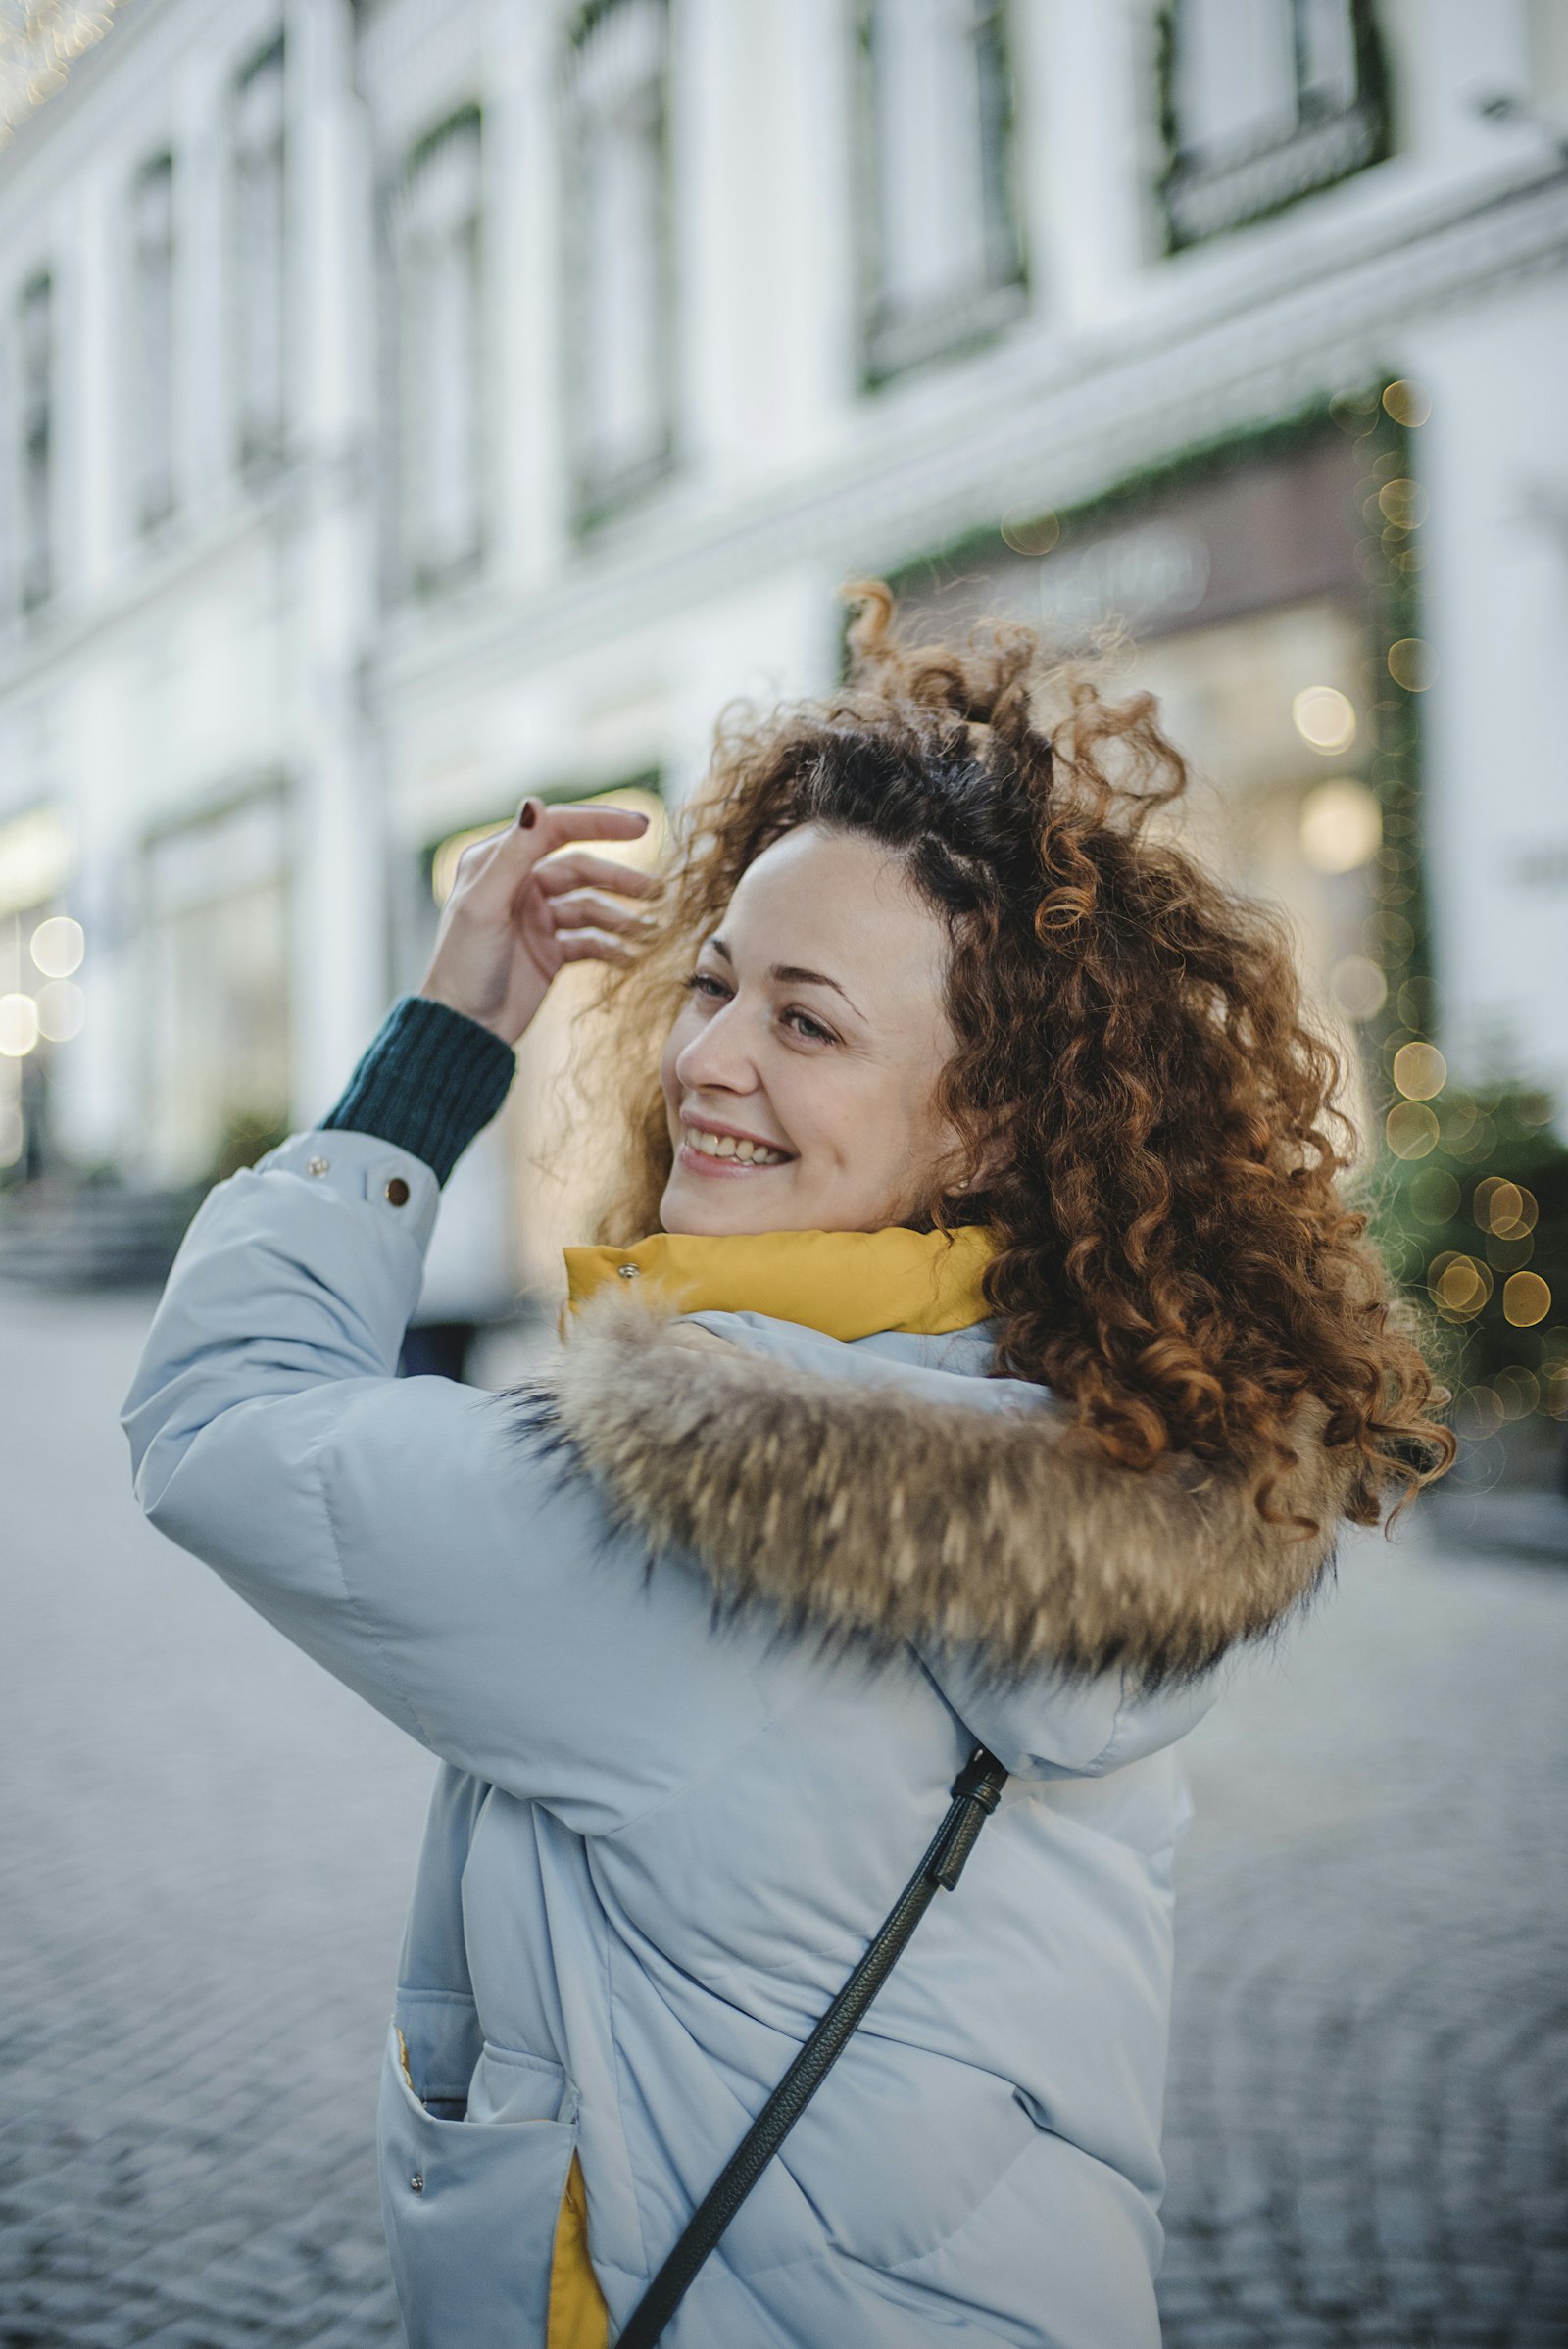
(524, 902)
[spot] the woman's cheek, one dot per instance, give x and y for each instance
(675, 1045)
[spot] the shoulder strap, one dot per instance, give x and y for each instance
(976, 1791)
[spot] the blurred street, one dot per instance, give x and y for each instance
(207, 1847)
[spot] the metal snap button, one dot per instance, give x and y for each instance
(630, 1272)
(416, 2183)
(316, 1166)
(397, 1193)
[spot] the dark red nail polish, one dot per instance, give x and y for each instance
(527, 815)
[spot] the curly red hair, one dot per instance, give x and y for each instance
(1174, 1255)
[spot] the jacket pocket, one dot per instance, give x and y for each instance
(472, 2185)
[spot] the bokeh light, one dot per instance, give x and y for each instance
(1526, 1299)
(1420, 1071)
(1412, 663)
(1458, 1285)
(58, 946)
(1403, 504)
(1478, 1413)
(1325, 717)
(1410, 1130)
(1358, 987)
(1407, 402)
(1030, 533)
(1518, 1390)
(19, 1025)
(61, 1008)
(1342, 826)
(1506, 1208)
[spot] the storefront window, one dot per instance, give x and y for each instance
(216, 945)
(41, 1005)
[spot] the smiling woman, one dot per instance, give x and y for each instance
(799, 1073)
(1011, 1358)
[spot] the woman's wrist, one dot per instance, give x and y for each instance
(433, 992)
(429, 1082)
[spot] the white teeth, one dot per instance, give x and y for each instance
(725, 1146)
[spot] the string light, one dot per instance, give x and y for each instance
(40, 42)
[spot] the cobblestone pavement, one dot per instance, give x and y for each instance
(206, 1846)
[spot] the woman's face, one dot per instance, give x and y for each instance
(800, 1077)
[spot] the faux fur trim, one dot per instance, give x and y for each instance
(871, 1514)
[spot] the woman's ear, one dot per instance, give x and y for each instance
(972, 1171)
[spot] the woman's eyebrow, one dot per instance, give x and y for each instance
(793, 974)
(790, 974)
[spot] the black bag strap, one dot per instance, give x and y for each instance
(976, 1791)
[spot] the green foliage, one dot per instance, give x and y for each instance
(1471, 1250)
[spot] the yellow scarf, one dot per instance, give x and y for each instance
(847, 1284)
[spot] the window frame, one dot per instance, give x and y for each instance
(894, 346)
(34, 437)
(418, 571)
(154, 502)
(599, 493)
(260, 443)
(1327, 146)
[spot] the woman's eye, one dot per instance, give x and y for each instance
(811, 1029)
(702, 981)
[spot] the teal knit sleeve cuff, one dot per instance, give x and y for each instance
(429, 1082)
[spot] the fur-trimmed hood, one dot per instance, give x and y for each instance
(869, 1512)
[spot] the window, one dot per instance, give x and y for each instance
(943, 248)
(1264, 101)
(153, 357)
(259, 253)
(33, 377)
(620, 273)
(436, 256)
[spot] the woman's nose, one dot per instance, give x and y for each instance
(718, 1058)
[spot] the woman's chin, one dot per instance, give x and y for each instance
(709, 1209)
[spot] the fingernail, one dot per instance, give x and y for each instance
(527, 815)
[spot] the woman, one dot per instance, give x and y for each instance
(978, 1351)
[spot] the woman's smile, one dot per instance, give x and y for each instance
(710, 1148)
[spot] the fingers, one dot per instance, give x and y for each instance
(592, 946)
(591, 910)
(578, 819)
(580, 868)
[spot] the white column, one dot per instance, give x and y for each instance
(524, 452)
(204, 413)
(763, 134)
(1088, 103)
(339, 852)
(91, 420)
(1495, 598)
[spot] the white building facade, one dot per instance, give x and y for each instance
(409, 405)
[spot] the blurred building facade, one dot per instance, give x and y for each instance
(414, 403)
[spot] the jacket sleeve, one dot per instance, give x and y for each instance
(403, 1531)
